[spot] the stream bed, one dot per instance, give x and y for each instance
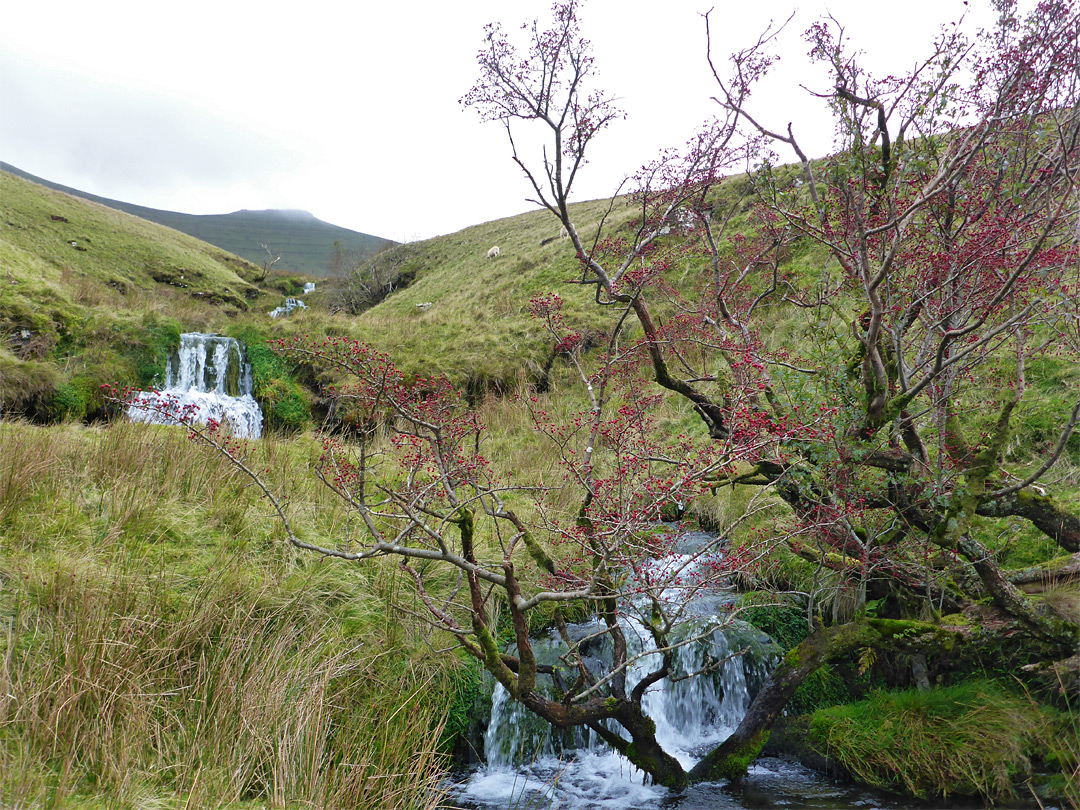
(596, 783)
(525, 763)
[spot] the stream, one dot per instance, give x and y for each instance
(528, 764)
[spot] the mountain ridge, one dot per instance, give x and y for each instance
(304, 242)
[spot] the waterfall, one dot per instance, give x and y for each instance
(211, 374)
(528, 762)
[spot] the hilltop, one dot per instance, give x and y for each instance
(306, 244)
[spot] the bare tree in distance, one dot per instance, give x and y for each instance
(268, 262)
(370, 280)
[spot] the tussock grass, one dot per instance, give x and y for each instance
(158, 646)
(973, 738)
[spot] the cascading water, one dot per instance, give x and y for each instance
(211, 374)
(527, 760)
(530, 764)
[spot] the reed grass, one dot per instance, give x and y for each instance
(160, 648)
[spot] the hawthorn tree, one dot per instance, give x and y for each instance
(941, 244)
(418, 487)
(924, 267)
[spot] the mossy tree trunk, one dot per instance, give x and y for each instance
(731, 758)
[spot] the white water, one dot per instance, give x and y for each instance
(211, 374)
(528, 764)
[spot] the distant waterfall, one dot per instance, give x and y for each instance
(213, 374)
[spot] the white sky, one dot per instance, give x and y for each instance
(350, 110)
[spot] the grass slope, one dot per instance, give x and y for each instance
(304, 242)
(477, 328)
(90, 295)
(161, 647)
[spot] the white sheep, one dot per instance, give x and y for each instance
(493, 252)
(563, 233)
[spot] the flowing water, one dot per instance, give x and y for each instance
(210, 374)
(527, 764)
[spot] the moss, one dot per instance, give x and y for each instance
(791, 658)
(286, 406)
(666, 772)
(465, 689)
(974, 738)
(290, 286)
(955, 620)
(892, 409)
(735, 765)
(536, 551)
(159, 337)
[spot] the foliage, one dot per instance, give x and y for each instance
(369, 281)
(785, 623)
(825, 338)
(825, 687)
(945, 219)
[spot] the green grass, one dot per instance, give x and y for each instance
(121, 252)
(974, 738)
(161, 645)
(478, 326)
(304, 244)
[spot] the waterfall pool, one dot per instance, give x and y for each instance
(603, 782)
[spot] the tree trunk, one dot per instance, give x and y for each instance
(646, 753)
(733, 756)
(1049, 518)
(1014, 601)
(1053, 572)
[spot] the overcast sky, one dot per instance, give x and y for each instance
(350, 110)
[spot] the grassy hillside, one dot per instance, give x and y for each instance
(90, 295)
(478, 325)
(151, 609)
(304, 243)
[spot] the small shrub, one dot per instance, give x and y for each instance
(70, 401)
(785, 624)
(285, 405)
